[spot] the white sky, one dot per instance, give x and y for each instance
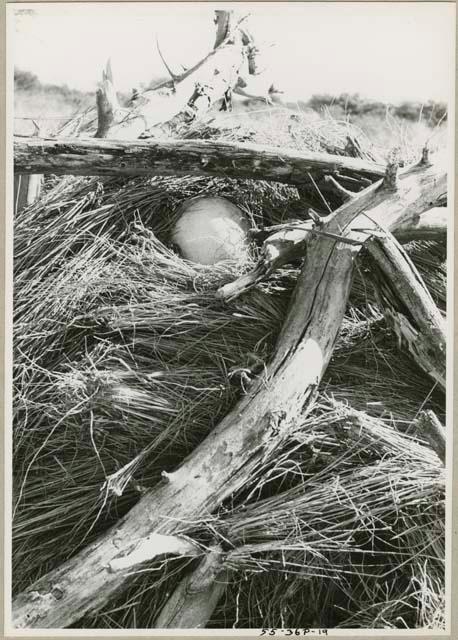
(388, 51)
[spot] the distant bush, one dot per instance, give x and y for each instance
(27, 83)
(354, 105)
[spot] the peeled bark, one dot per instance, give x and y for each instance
(221, 464)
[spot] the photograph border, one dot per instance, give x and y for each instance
(6, 200)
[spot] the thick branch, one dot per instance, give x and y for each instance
(430, 225)
(181, 157)
(409, 306)
(220, 465)
(192, 603)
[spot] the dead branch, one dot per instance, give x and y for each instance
(408, 305)
(174, 76)
(285, 243)
(173, 104)
(225, 22)
(220, 465)
(181, 157)
(430, 225)
(192, 603)
(276, 251)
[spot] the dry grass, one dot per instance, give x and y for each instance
(123, 363)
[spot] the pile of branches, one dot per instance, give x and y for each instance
(126, 358)
(228, 446)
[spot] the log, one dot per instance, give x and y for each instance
(408, 305)
(192, 603)
(258, 424)
(181, 157)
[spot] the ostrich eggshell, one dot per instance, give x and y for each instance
(211, 229)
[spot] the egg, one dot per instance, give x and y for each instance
(211, 229)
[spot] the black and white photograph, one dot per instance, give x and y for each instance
(230, 358)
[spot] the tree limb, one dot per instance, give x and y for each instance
(285, 243)
(430, 225)
(181, 157)
(408, 305)
(192, 603)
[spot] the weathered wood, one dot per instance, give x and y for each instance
(192, 603)
(278, 249)
(153, 546)
(225, 22)
(256, 84)
(172, 106)
(174, 103)
(430, 427)
(181, 157)
(285, 243)
(430, 225)
(409, 306)
(27, 189)
(107, 103)
(263, 418)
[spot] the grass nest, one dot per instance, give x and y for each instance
(124, 361)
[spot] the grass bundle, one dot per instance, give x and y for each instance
(124, 360)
